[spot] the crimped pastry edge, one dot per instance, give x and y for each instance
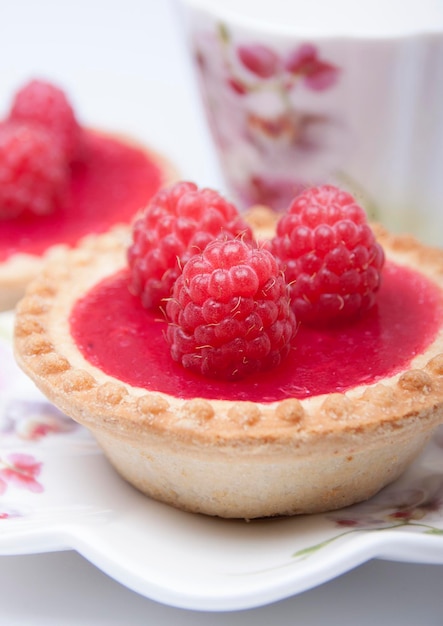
(40, 352)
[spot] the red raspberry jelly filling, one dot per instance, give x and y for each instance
(115, 333)
(98, 198)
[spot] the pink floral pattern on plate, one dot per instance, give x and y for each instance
(7, 513)
(21, 471)
(23, 422)
(32, 420)
(417, 505)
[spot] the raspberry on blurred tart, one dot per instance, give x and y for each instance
(60, 182)
(236, 391)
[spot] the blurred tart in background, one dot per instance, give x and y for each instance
(60, 182)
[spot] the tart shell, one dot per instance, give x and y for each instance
(225, 458)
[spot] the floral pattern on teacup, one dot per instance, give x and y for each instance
(275, 132)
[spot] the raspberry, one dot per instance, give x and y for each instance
(33, 171)
(329, 256)
(179, 221)
(229, 315)
(43, 103)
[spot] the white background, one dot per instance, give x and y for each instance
(125, 67)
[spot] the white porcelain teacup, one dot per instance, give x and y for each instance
(339, 91)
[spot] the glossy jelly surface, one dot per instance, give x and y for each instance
(116, 334)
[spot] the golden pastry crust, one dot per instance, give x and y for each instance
(19, 269)
(219, 457)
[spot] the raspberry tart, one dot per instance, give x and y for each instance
(216, 399)
(60, 182)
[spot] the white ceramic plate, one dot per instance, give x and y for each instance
(57, 491)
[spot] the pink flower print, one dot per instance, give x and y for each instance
(270, 190)
(317, 74)
(237, 86)
(32, 420)
(299, 59)
(281, 126)
(270, 140)
(9, 514)
(294, 129)
(259, 59)
(20, 470)
(390, 507)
